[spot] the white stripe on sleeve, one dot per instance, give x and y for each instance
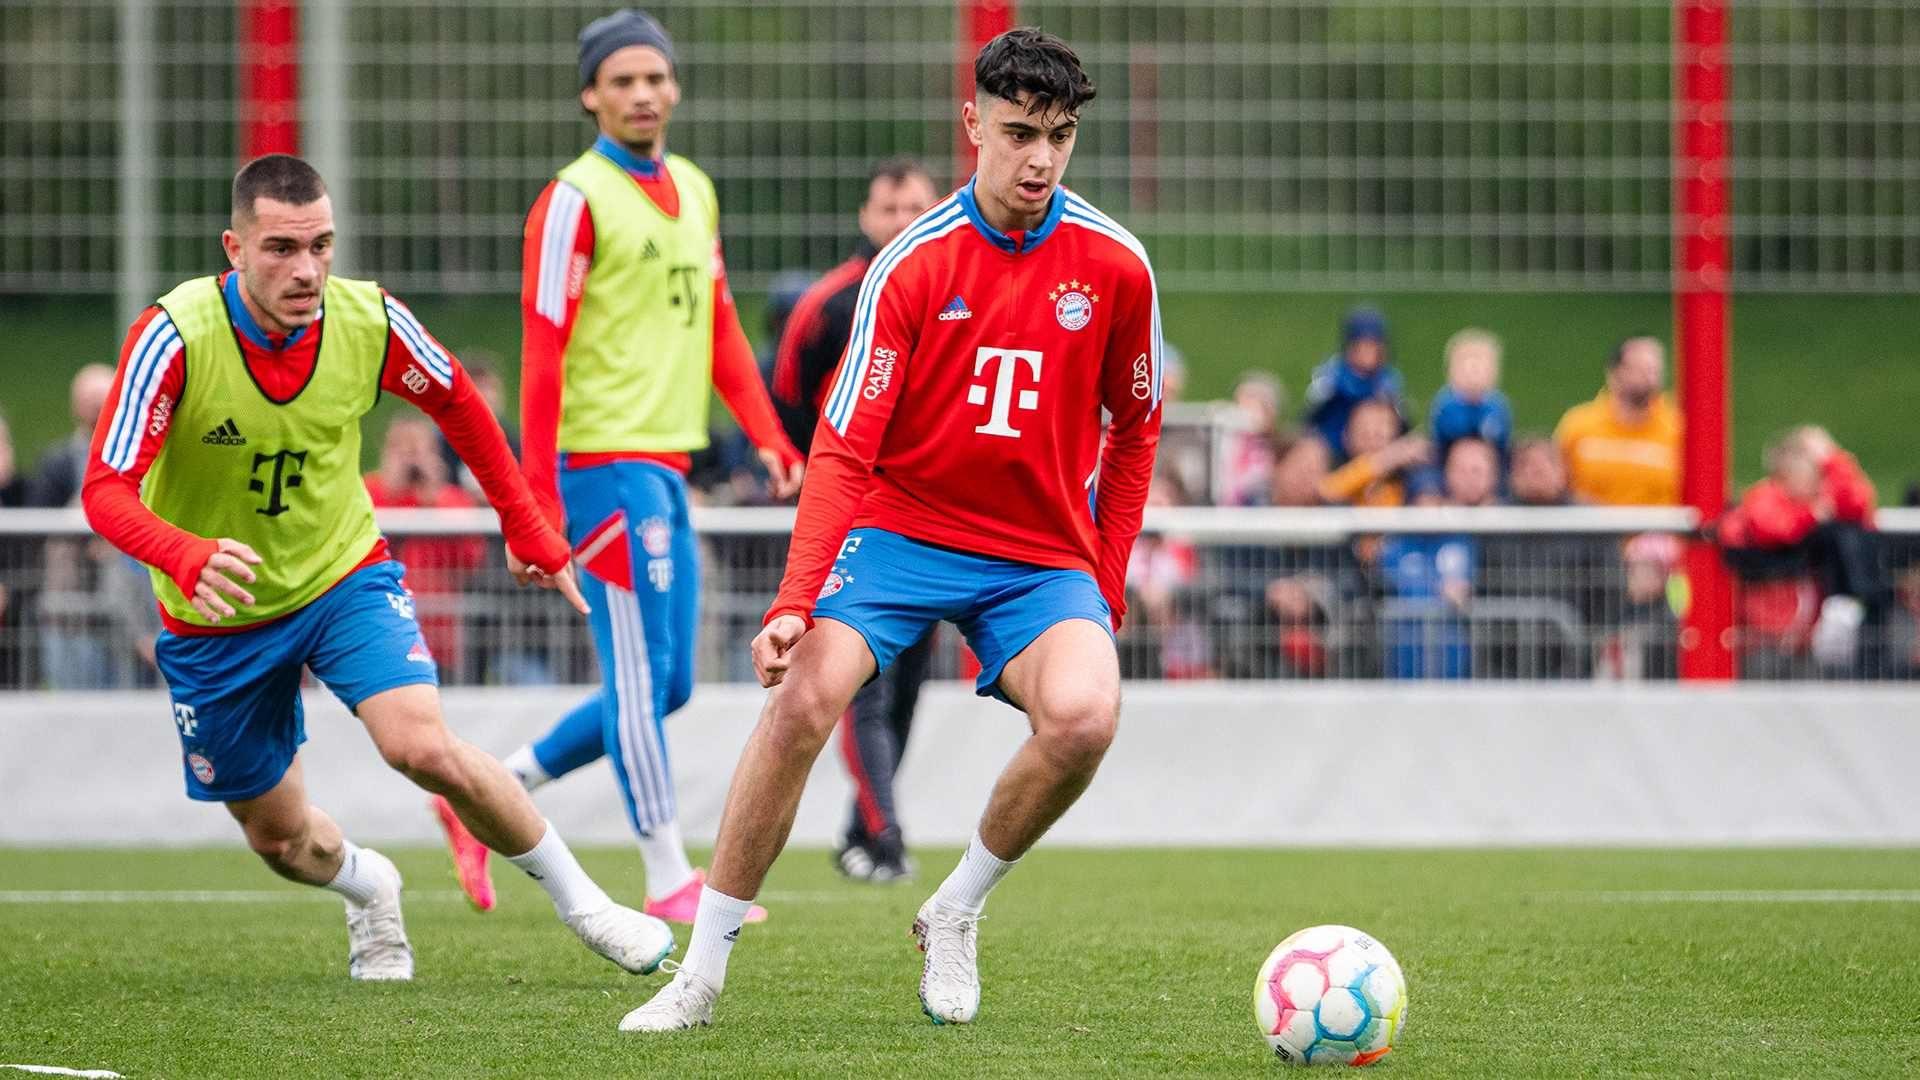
(1083, 213)
(420, 344)
(153, 354)
(935, 223)
(564, 212)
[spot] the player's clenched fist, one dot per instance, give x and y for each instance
(232, 558)
(772, 646)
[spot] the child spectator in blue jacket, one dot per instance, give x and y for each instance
(1358, 372)
(1471, 405)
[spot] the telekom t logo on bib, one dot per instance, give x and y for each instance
(1004, 401)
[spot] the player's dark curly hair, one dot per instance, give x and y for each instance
(280, 177)
(1034, 68)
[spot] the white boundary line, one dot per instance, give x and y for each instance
(1740, 896)
(196, 896)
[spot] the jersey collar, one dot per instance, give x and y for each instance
(1005, 242)
(638, 168)
(243, 321)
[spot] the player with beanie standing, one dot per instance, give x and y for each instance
(958, 473)
(629, 328)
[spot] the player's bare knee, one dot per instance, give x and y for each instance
(430, 759)
(803, 713)
(279, 844)
(1078, 732)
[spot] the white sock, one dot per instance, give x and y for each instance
(551, 863)
(715, 928)
(359, 879)
(665, 857)
(526, 768)
(979, 871)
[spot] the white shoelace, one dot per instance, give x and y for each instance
(953, 961)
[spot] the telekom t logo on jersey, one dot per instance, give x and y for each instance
(1004, 401)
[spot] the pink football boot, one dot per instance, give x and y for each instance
(681, 906)
(469, 857)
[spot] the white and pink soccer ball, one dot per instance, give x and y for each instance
(1330, 995)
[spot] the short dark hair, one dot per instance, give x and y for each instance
(1034, 68)
(1619, 352)
(280, 177)
(899, 169)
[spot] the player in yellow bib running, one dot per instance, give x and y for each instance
(228, 460)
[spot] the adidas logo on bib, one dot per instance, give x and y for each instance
(225, 435)
(650, 252)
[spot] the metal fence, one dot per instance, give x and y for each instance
(1260, 144)
(1416, 593)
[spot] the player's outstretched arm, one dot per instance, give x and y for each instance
(772, 645)
(421, 371)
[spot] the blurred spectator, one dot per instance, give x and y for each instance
(480, 367)
(1160, 568)
(1173, 373)
(1623, 448)
(1429, 579)
(57, 481)
(1539, 474)
(1472, 473)
(74, 613)
(1471, 402)
(1379, 458)
(1358, 372)
(1297, 476)
(13, 486)
(413, 474)
(898, 191)
(1813, 517)
(16, 571)
(1246, 465)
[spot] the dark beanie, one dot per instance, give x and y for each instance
(1364, 324)
(605, 36)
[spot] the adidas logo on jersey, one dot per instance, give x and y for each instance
(650, 252)
(955, 310)
(225, 435)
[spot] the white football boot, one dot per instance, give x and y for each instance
(376, 936)
(686, 1002)
(950, 982)
(630, 939)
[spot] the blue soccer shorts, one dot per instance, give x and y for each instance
(236, 697)
(893, 589)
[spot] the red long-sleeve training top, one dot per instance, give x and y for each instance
(552, 255)
(968, 409)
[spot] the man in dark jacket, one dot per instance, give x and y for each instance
(57, 480)
(873, 735)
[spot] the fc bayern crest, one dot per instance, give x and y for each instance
(202, 768)
(831, 586)
(1072, 305)
(656, 537)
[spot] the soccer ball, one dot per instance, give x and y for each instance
(1330, 995)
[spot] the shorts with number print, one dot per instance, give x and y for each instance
(236, 697)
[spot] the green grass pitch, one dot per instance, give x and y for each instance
(1095, 963)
